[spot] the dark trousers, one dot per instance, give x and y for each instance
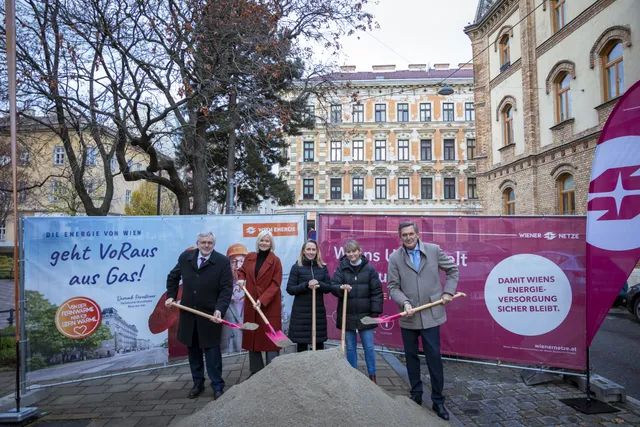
(213, 358)
(304, 347)
(256, 362)
(431, 345)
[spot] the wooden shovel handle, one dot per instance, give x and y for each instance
(432, 304)
(344, 318)
(313, 319)
(253, 302)
(193, 310)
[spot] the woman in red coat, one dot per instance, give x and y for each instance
(261, 274)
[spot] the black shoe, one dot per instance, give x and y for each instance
(441, 411)
(195, 391)
(217, 394)
(417, 399)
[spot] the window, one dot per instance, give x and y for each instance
(130, 165)
(58, 156)
(472, 189)
(567, 197)
(381, 188)
(563, 97)
(25, 158)
(381, 113)
(403, 150)
(127, 197)
(507, 125)
(56, 191)
(92, 154)
(3, 230)
(381, 150)
(358, 188)
(358, 113)
(613, 71)
(425, 112)
(425, 150)
(426, 188)
(449, 188)
(469, 111)
(449, 149)
(138, 166)
(335, 154)
(509, 197)
(403, 112)
(310, 112)
(471, 149)
(505, 51)
(447, 112)
(358, 151)
(307, 189)
(307, 151)
(22, 193)
(336, 114)
(114, 164)
(403, 188)
(559, 14)
(336, 188)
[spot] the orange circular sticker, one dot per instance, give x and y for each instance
(78, 317)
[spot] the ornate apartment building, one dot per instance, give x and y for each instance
(547, 75)
(392, 145)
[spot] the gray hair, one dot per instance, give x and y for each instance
(206, 234)
(268, 234)
(408, 224)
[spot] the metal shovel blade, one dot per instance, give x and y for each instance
(278, 338)
(248, 326)
(375, 320)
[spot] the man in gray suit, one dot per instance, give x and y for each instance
(414, 280)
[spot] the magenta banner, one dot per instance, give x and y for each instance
(524, 277)
(613, 218)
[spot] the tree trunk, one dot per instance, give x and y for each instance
(231, 153)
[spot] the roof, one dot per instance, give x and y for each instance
(460, 73)
(483, 8)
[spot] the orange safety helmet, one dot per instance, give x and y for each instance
(237, 249)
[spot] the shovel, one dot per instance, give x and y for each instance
(384, 319)
(245, 326)
(313, 319)
(344, 319)
(277, 337)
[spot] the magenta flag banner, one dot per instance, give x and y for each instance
(613, 218)
(525, 280)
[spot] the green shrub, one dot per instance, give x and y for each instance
(36, 362)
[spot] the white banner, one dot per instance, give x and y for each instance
(95, 286)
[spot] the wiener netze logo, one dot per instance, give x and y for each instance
(252, 231)
(549, 235)
(613, 216)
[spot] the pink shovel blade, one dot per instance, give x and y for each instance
(379, 320)
(278, 337)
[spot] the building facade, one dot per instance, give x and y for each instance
(390, 144)
(547, 75)
(125, 335)
(43, 160)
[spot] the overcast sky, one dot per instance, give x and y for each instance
(420, 31)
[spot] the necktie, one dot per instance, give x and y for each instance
(415, 257)
(202, 259)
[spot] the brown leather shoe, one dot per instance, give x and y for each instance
(373, 378)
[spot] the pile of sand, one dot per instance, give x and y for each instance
(311, 389)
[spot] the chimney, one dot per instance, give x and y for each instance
(348, 68)
(468, 66)
(391, 67)
(441, 66)
(417, 66)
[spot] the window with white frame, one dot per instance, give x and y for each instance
(56, 191)
(403, 150)
(449, 188)
(358, 113)
(58, 156)
(114, 164)
(381, 150)
(336, 114)
(3, 230)
(471, 148)
(403, 188)
(336, 189)
(358, 151)
(25, 158)
(447, 112)
(381, 113)
(425, 112)
(381, 188)
(469, 112)
(426, 188)
(358, 188)
(92, 156)
(449, 149)
(127, 197)
(425, 150)
(307, 151)
(335, 155)
(308, 186)
(403, 112)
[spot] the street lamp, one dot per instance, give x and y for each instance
(445, 90)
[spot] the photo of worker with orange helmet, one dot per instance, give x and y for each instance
(231, 340)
